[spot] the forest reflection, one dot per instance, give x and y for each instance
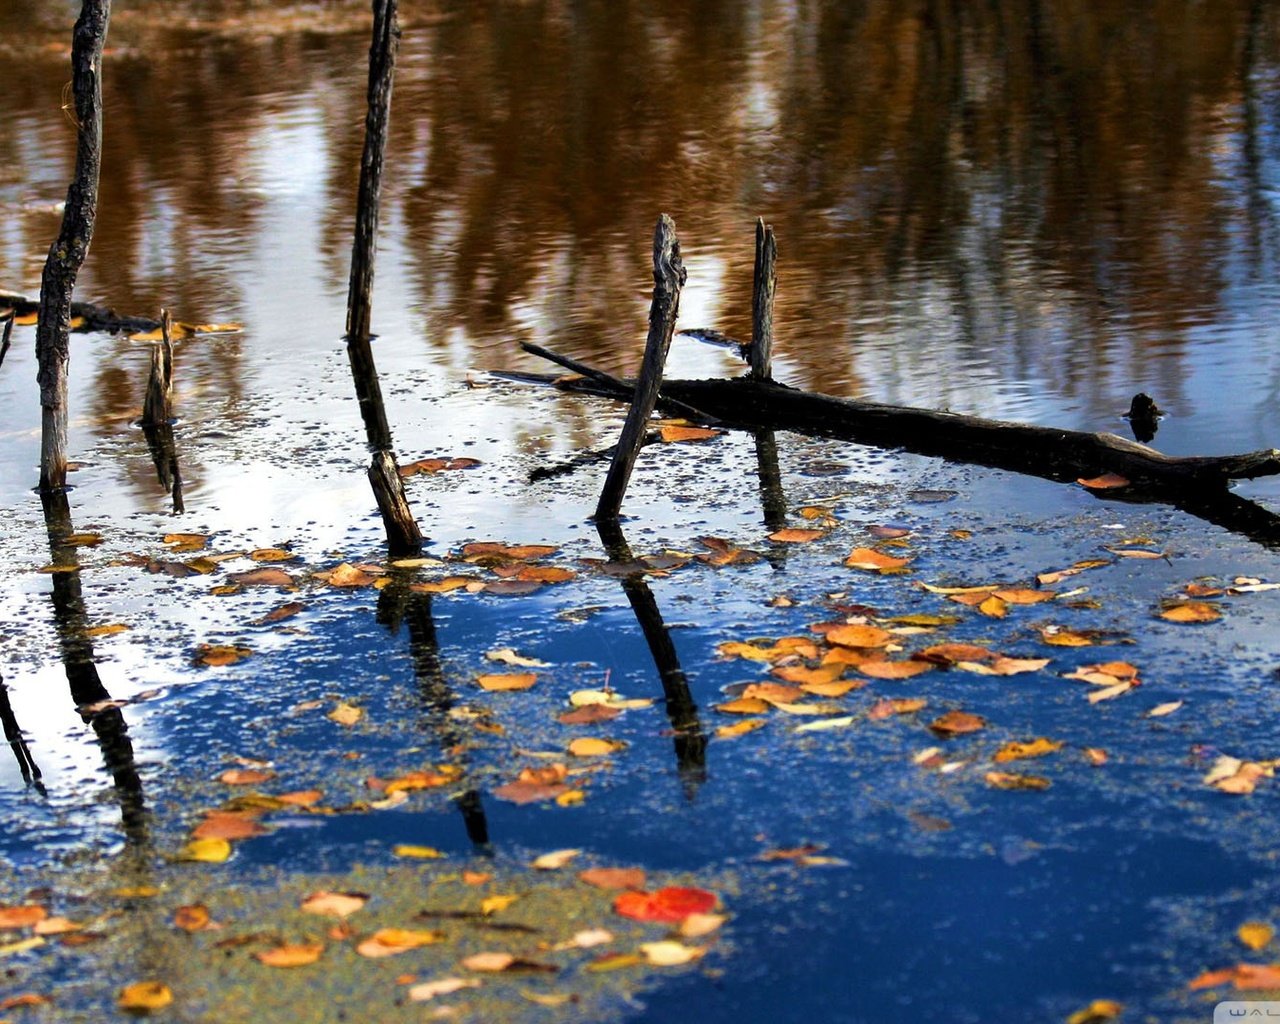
(1051, 189)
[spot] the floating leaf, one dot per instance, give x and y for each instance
(824, 674)
(1013, 780)
(1097, 1012)
(298, 954)
(1111, 692)
(669, 953)
(744, 706)
(1255, 934)
(502, 682)
(1057, 636)
(1016, 751)
(613, 878)
(220, 654)
(1191, 611)
(893, 669)
(794, 536)
(555, 860)
(228, 825)
(209, 851)
(492, 962)
(264, 577)
(615, 962)
(1046, 579)
(443, 586)
(271, 555)
(282, 612)
(588, 714)
(345, 714)
(144, 996)
(584, 698)
(390, 941)
(586, 746)
(25, 915)
(414, 851)
(741, 728)
(670, 904)
(425, 990)
(436, 466)
(1168, 708)
(860, 636)
(957, 723)
(697, 925)
(899, 706)
(192, 917)
(497, 902)
(874, 561)
(334, 904)
(108, 630)
(509, 657)
(948, 654)
(246, 776)
(843, 722)
(1096, 756)
(346, 575)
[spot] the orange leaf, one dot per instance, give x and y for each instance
(505, 681)
(859, 636)
(291, 955)
(956, 723)
(193, 917)
(794, 536)
(801, 675)
(944, 654)
(1191, 611)
(246, 776)
(613, 878)
(893, 669)
(228, 825)
(744, 706)
(1013, 780)
(674, 432)
(334, 904)
(1104, 482)
(671, 904)
(874, 561)
(22, 916)
(900, 706)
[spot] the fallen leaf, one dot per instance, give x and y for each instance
(1097, 1012)
(291, 954)
(301, 797)
(1016, 751)
(957, 723)
(266, 577)
(788, 646)
(670, 904)
(744, 706)
(492, 962)
(669, 953)
(1096, 756)
(609, 698)
(726, 732)
(673, 432)
(442, 586)
(282, 612)
(860, 636)
(345, 714)
(1160, 710)
(192, 917)
(271, 555)
(502, 682)
(220, 654)
(425, 990)
(893, 669)
(1106, 481)
(246, 776)
(524, 792)
(555, 860)
(874, 561)
(1013, 780)
(1191, 611)
(25, 999)
(949, 654)
(882, 709)
(228, 825)
(415, 852)
(208, 851)
(25, 915)
(794, 536)
(1046, 579)
(390, 941)
(585, 746)
(800, 674)
(1253, 977)
(696, 925)
(110, 629)
(144, 996)
(1111, 692)
(56, 926)
(588, 714)
(334, 904)
(436, 466)
(613, 878)
(1255, 934)
(509, 657)
(843, 722)
(993, 607)
(614, 962)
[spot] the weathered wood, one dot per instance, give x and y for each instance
(157, 405)
(403, 535)
(92, 317)
(5, 334)
(764, 284)
(67, 254)
(382, 65)
(668, 278)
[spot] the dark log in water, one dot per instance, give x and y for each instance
(668, 278)
(67, 254)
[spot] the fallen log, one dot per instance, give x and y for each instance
(1196, 484)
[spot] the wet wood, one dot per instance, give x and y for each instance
(764, 284)
(403, 535)
(1042, 451)
(91, 317)
(668, 278)
(67, 254)
(5, 334)
(157, 405)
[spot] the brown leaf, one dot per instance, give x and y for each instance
(246, 776)
(900, 706)
(1191, 611)
(1013, 780)
(291, 954)
(228, 825)
(794, 536)
(947, 654)
(613, 878)
(265, 577)
(282, 612)
(216, 655)
(334, 904)
(193, 917)
(893, 669)
(271, 555)
(588, 714)
(957, 723)
(523, 792)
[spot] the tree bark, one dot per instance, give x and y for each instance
(67, 254)
(764, 283)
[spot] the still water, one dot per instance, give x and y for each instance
(1020, 210)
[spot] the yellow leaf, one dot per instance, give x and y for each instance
(669, 953)
(501, 682)
(291, 955)
(993, 607)
(417, 852)
(496, 902)
(586, 746)
(697, 925)
(1255, 934)
(1015, 751)
(1097, 1012)
(390, 941)
(874, 561)
(1012, 780)
(744, 706)
(747, 725)
(210, 851)
(859, 636)
(490, 962)
(1191, 611)
(345, 714)
(144, 996)
(271, 555)
(555, 859)
(21, 946)
(107, 630)
(571, 798)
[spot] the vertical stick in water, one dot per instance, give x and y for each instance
(67, 254)
(764, 283)
(403, 536)
(157, 405)
(668, 278)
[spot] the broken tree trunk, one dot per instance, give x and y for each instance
(668, 278)
(67, 254)
(764, 284)
(157, 404)
(403, 535)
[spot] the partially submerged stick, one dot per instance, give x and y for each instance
(403, 535)
(67, 254)
(764, 283)
(668, 278)
(157, 406)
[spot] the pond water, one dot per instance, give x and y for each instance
(1014, 210)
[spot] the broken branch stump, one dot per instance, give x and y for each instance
(157, 406)
(668, 278)
(764, 284)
